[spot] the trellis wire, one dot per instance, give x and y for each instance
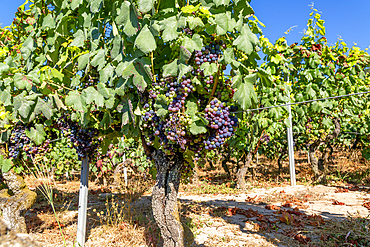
(302, 102)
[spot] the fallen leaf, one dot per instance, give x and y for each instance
(335, 202)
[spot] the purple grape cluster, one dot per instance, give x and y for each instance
(188, 31)
(19, 142)
(265, 139)
(210, 53)
(218, 115)
(83, 140)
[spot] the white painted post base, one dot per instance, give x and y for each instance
(82, 203)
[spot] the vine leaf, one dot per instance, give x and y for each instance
(94, 96)
(160, 106)
(145, 40)
(125, 107)
(79, 39)
(209, 68)
(246, 40)
(245, 94)
(22, 105)
(198, 127)
(48, 22)
(77, 101)
(95, 5)
(169, 27)
(5, 164)
(44, 108)
(171, 69)
(145, 5)
(127, 19)
(75, 4)
(194, 22)
(37, 135)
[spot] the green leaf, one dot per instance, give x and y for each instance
(145, 40)
(79, 38)
(191, 110)
(21, 81)
(242, 7)
(48, 22)
(198, 127)
(209, 68)
(221, 2)
(103, 90)
(185, 55)
(4, 68)
(106, 121)
(222, 20)
(190, 9)
(44, 108)
(93, 95)
(245, 94)
(194, 22)
(127, 19)
(145, 5)
(169, 27)
(83, 60)
(22, 105)
(95, 5)
(246, 40)
(6, 164)
(195, 43)
(160, 106)
(76, 100)
(37, 135)
(171, 69)
(125, 107)
(75, 4)
(99, 59)
(106, 73)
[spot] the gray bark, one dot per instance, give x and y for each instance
(315, 162)
(15, 206)
(243, 170)
(164, 200)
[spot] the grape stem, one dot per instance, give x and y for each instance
(152, 59)
(148, 149)
(215, 84)
(258, 143)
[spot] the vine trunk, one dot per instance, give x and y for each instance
(164, 200)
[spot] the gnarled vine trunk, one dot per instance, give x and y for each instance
(15, 206)
(247, 160)
(164, 200)
(315, 162)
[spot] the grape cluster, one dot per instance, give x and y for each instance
(210, 53)
(173, 132)
(19, 142)
(265, 139)
(18, 139)
(83, 140)
(188, 31)
(220, 120)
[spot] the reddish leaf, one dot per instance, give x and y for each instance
(366, 205)
(272, 207)
(335, 202)
(302, 238)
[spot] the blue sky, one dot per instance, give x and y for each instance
(347, 19)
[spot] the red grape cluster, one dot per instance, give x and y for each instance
(18, 139)
(83, 140)
(19, 142)
(218, 115)
(210, 52)
(173, 131)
